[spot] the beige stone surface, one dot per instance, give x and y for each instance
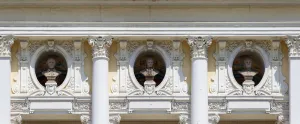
(285, 61)
(149, 13)
(211, 64)
(14, 62)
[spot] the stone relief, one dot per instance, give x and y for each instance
(5, 44)
(143, 57)
(36, 59)
(270, 52)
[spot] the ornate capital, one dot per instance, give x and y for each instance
(199, 46)
(283, 118)
(100, 46)
(16, 119)
(293, 43)
(114, 119)
(5, 44)
(213, 118)
(85, 119)
(183, 119)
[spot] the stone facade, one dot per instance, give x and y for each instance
(197, 52)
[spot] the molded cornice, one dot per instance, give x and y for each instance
(147, 2)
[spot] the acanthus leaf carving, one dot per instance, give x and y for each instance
(293, 43)
(5, 44)
(100, 46)
(199, 46)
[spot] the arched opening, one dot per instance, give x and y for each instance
(51, 61)
(256, 65)
(153, 61)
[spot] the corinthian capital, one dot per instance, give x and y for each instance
(293, 43)
(114, 119)
(199, 46)
(5, 44)
(100, 46)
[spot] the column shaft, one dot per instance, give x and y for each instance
(199, 100)
(5, 90)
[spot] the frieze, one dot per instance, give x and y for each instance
(217, 106)
(180, 106)
(118, 106)
(279, 106)
(82, 106)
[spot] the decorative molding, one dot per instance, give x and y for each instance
(5, 44)
(199, 46)
(180, 106)
(16, 119)
(82, 106)
(217, 106)
(114, 119)
(213, 118)
(283, 118)
(117, 106)
(100, 46)
(293, 43)
(277, 106)
(264, 48)
(184, 119)
(85, 119)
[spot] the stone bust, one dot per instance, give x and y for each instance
(51, 73)
(247, 64)
(150, 71)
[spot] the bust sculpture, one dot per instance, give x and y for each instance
(51, 73)
(248, 73)
(149, 72)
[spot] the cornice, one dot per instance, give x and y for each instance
(277, 29)
(146, 2)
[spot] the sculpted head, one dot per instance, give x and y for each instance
(51, 63)
(247, 64)
(149, 62)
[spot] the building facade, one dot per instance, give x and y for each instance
(146, 62)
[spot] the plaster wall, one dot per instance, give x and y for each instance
(14, 62)
(149, 13)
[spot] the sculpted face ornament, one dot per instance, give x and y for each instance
(248, 84)
(149, 73)
(51, 75)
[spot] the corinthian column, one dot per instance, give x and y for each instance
(293, 44)
(5, 44)
(100, 98)
(199, 93)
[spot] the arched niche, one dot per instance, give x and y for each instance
(39, 55)
(42, 66)
(144, 51)
(158, 65)
(255, 52)
(257, 66)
